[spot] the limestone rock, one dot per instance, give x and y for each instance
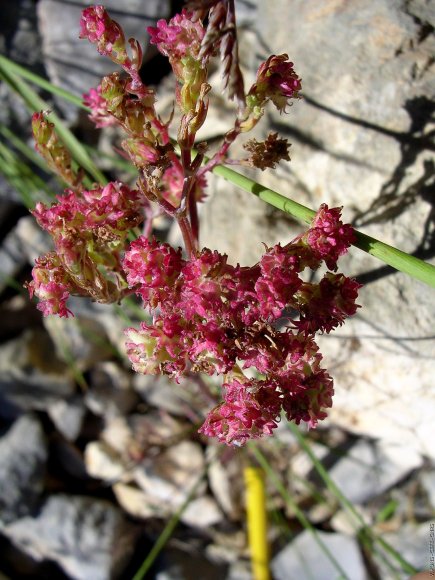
(23, 454)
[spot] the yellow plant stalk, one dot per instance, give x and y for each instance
(257, 522)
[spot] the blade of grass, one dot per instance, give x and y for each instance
(263, 462)
(20, 71)
(167, 532)
(346, 504)
(399, 260)
(35, 103)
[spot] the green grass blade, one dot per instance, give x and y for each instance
(399, 260)
(346, 504)
(20, 71)
(167, 532)
(35, 103)
(260, 457)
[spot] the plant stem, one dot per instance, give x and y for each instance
(399, 260)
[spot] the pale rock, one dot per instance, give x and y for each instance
(428, 483)
(117, 433)
(21, 245)
(412, 542)
(303, 558)
(102, 462)
(202, 512)
(110, 393)
(369, 469)
(350, 524)
(31, 377)
(160, 392)
(23, 455)
(168, 478)
(81, 339)
(225, 481)
(86, 537)
(68, 415)
(135, 502)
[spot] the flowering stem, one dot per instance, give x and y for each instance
(414, 267)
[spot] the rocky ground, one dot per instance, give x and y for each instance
(95, 460)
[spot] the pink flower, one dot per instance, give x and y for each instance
(279, 281)
(276, 81)
(157, 349)
(250, 410)
(98, 105)
(51, 285)
(179, 37)
(97, 26)
(328, 237)
(153, 268)
(326, 305)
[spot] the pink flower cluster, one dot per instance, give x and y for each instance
(89, 230)
(277, 81)
(178, 38)
(217, 318)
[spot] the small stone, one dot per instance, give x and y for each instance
(225, 482)
(110, 393)
(202, 512)
(369, 469)
(87, 537)
(23, 455)
(135, 502)
(412, 542)
(428, 483)
(168, 478)
(102, 462)
(344, 522)
(160, 392)
(68, 415)
(31, 377)
(303, 558)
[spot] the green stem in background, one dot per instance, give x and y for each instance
(167, 532)
(35, 103)
(399, 260)
(304, 521)
(345, 503)
(20, 71)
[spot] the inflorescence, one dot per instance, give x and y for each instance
(256, 325)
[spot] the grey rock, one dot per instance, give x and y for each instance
(162, 393)
(22, 245)
(68, 415)
(428, 483)
(110, 391)
(87, 537)
(23, 455)
(412, 542)
(31, 377)
(369, 469)
(74, 64)
(361, 138)
(303, 558)
(168, 478)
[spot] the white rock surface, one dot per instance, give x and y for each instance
(87, 537)
(369, 469)
(303, 558)
(168, 478)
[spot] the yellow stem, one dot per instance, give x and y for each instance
(257, 523)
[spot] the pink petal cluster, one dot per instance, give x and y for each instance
(328, 237)
(97, 26)
(89, 230)
(217, 318)
(98, 105)
(276, 81)
(179, 37)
